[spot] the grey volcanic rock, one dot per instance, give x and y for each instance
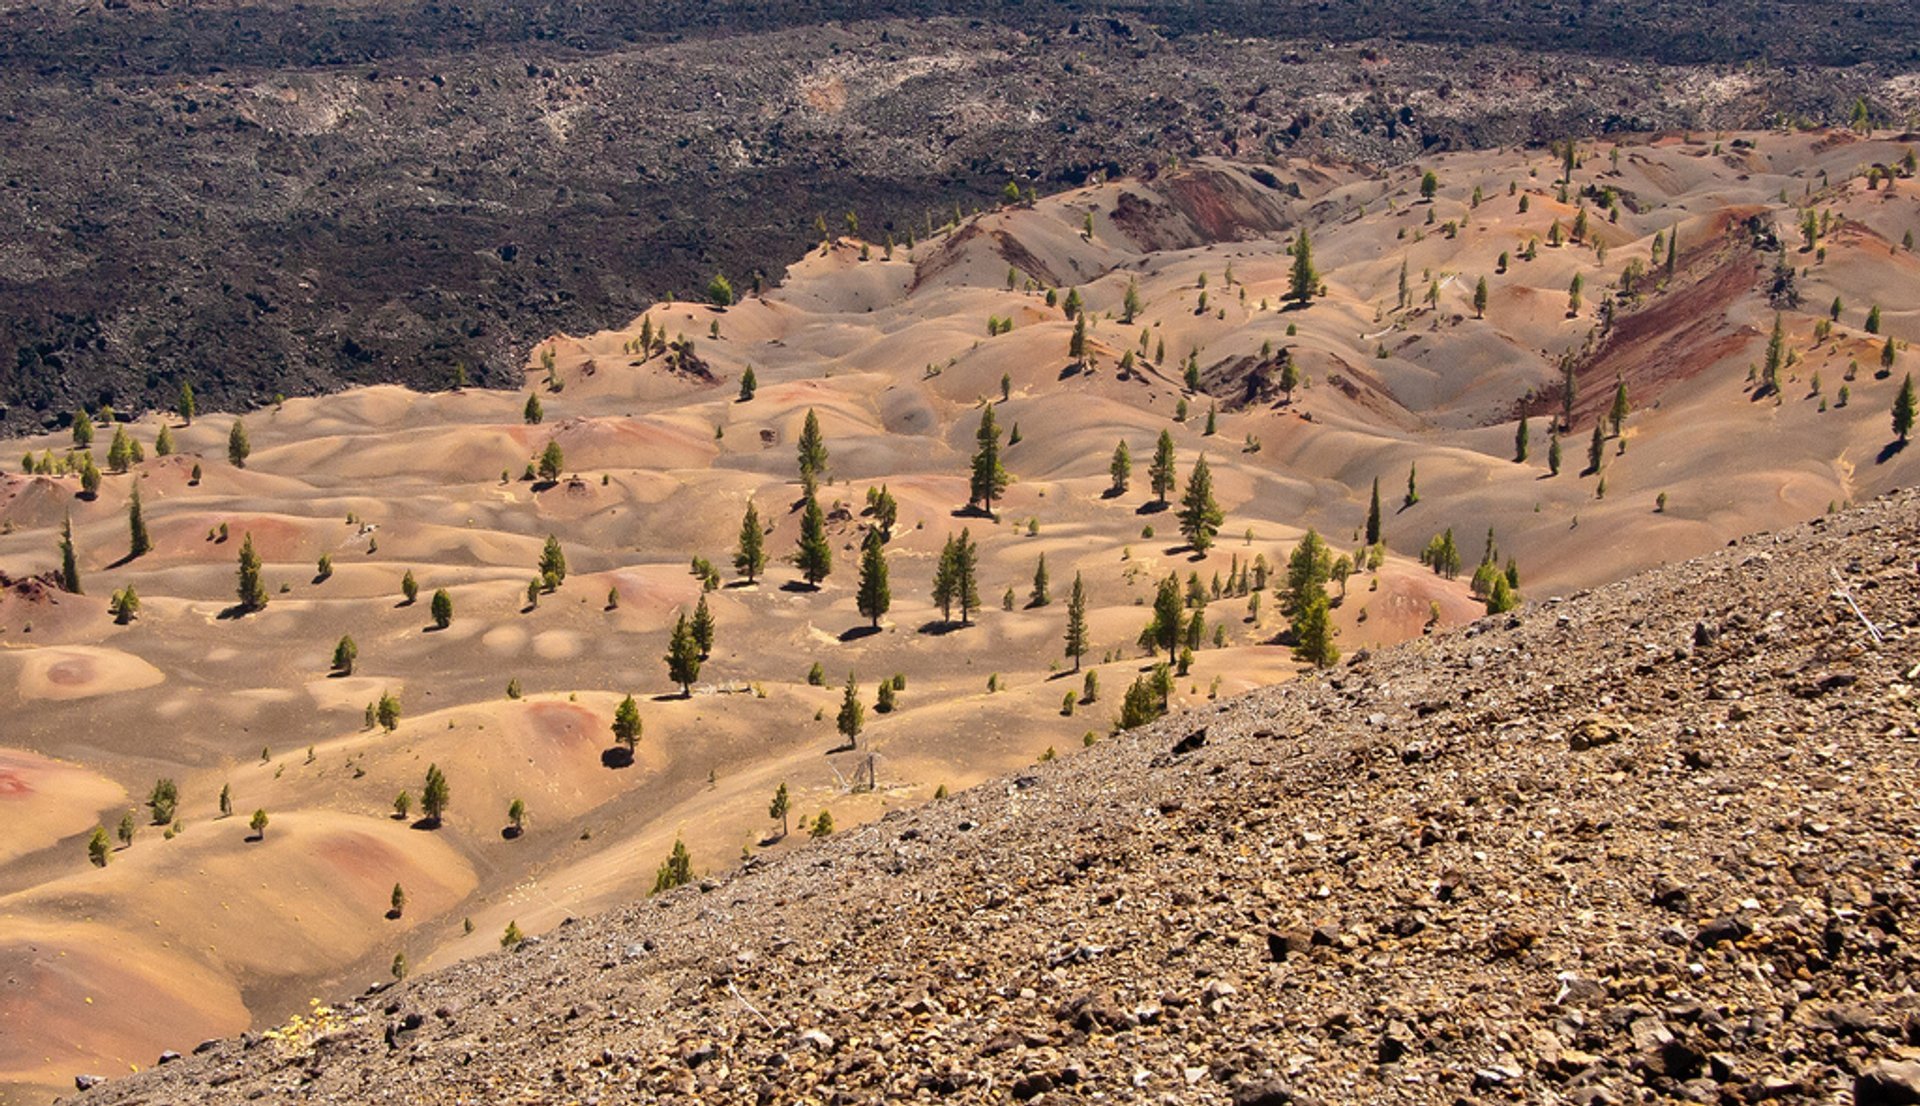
(1236, 924)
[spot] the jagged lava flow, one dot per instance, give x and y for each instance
(207, 932)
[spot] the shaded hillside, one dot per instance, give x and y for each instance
(278, 198)
(1653, 840)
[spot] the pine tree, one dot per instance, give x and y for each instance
(250, 588)
(82, 430)
(683, 657)
(226, 800)
(780, 807)
(533, 412)
(814, 556)
(1077, 345)
(1161, 472)
(1673, 243)
(442, 608)
(1040, 596)
(1887, 355)
(1303, 282)
(1553, 454)
(1617, 415)
(163, 442)
(258, 824)
(989, 477)
(387, 711)
(397, 900)
(1313, 633)
(852, 717)
(1200, 516)
(1520, 435)
(1903, 410)
(1373, 515)
(553, 564)
(1167, 629)
(1130, 304)
(626, 724)
(553, 462)
(748, 384)
(811, 454)
(124, 605)
(1873, 319)
(750, 556)
(186, 403)
(344, 654)
(138, 541)
(956, 581)
(409, 587)
(1596, 448)
(1308, 569)
(238, 447)
(1480, 299)
(120, 451)
(703, 626)
(436, 796)
(1413, 487)
(1076, 642)
(874, 597)
(1121, 469)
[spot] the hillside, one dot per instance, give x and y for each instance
(281, 198)
(1655, 840)
(1298, 410)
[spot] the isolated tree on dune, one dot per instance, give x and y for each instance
(1200, 516)
(853, 716)
(1429, 185)
(1121, 469)
(387, 711)
(238, 447)
(1596, 448)
(1077, 345)
(1903, 410)
(1373, 515)
(720, 291)
(163, 442)
(124, 605)
(1076, 643)
(1413, 484)
(186, 403)
(69, 559)
(780, 808)
(1480, 299)
(875, 597)
(989, 477)
(163, 801)
(626, 724)
(398, 901)
(250, 588)
(956, 581)
(553, 461)
(814, 557)
(82, 430)
(1161, 472)
(99, 847)
(1520, 435)
(435, 796)
(702, 627)
(812, 454)
(1313, 633)
(683, 656)
(442, 608)
(344, 655)
(409, 587)
(1041, 593)
(1617, 414)
(258, 823)
(553, 563)
(533, 412)
(751, 554)
(1303, 282)
(675, 871)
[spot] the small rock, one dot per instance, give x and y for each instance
(1730, 927)
(1272, 1092)
(1888, 1083)
(88, 1082)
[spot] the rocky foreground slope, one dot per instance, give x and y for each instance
(1658, 840)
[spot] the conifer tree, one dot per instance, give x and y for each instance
(1553, 454)
(853, 716)
(1161, 472)
(553, 564)
(683, 657)
(251, 589)
(82, 430)
(702, 625)
(780, 808)
(1200, 516)
(1130, 304)
(1480, 299)
(442, 608)
(387, 711)
(186, 402)
(1313, 633)
(120, 451)
(138, 541)
(163, 442)
(814, 556)
(875, 598)
(1373, 515)
(811, 454)
(1308, 569)
(1077, 345)
(1413, 487)
(989, 477)
(1120, 469)
(1617, 415)
(533, 413)
(1076, 643)
(956, 582)
(1040, 596)
(1903, 410)
(1596, 448)
(626, 724)
(750, 556)
(1520, 436)
(748, 384)
(1887, 355)
(344, 654)
(435, 796)
(553, 462)
(238, 447)
(409, 587)
(99, 847)
(124, 605)
(258, 824)
(1303, 282)
(1167, 629)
